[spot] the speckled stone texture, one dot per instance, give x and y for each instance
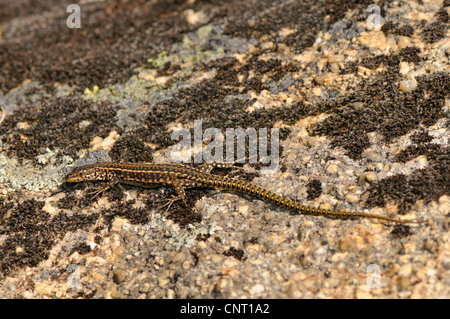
(360, 96)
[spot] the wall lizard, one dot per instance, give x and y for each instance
(182, 176)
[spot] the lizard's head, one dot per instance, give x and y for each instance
(84, 173)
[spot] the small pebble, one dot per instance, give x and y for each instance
(256, 289)
(408, 85)
(120, 275)
(405, 270)
(332, 169)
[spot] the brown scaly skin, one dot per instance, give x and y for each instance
(182, 176)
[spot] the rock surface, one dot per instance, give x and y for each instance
(361, 104)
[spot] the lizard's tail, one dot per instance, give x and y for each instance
(245, 187)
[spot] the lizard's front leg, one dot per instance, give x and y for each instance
(109, 184)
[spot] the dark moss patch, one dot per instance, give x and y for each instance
(442, 15)
(125, 210)
(207, 100)
(65, 124)
(242, 175)
(5, 205)
(421, 137)
(168, 69)
(434, 32)
(31, 233)
(385, 109)
(71, 200)
(22, 8)
(314, 189)
(154, 199)
(116, 194)
(305, 18)
(235, 252)
(410, 54)
(425, 184)
(130, 148)
(395, 28)
(115, 37)
(136, 30)
(180, 213)
(421, 146)
(401, 231)
(389, 61)
(27, 217)
(81, 248)
(202, 237)
(216, 106)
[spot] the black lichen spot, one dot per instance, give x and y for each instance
(115, 194)
(442, 15)
(125, 210)
(394, 28)
(431, 151)
(183, 215)
(202, 237)
(31, 233)
(385, 109)
(212, 104)
(168, 69)
(52, 53)
(434, 32)
(178, 212)
(28, 216)
(86, 295)
(5, 206)
(401, 231)
(390, 61)
(71, 200)
(68, 124)
(271, 17)
(421, 146)
(235, 252)
(421, 137)
(81, 248)
(425, 184)
(410, 54)
(314, 189)
(273, 68)
(130, 148)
